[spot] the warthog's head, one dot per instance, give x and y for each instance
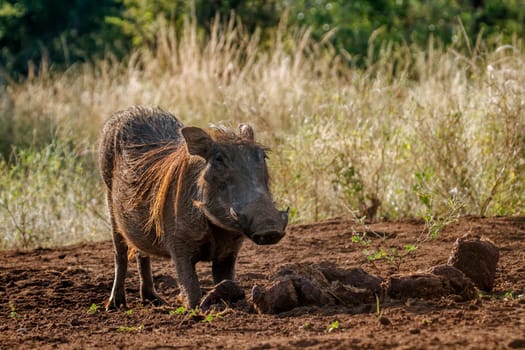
(234, 185)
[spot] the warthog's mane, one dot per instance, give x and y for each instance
(154, 171)
(151, 175)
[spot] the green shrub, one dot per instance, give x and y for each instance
(49, 197)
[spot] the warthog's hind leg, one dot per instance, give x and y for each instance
(118, 293)
(147, 288)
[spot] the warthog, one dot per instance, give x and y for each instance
(183, 193)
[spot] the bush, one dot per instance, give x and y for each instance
(50, 197)
(421, 132)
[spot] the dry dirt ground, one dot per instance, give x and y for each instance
(53, 298)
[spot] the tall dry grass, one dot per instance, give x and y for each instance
(430, 132)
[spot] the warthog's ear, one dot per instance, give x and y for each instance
(246, 132)
(198, 141)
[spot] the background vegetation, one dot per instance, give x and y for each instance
(373, 109)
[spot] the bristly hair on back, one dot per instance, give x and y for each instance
(224, 135)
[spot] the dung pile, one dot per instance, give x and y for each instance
(472, 264)
(306, 284)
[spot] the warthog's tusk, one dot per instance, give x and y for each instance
(284, 215)
(234, 215)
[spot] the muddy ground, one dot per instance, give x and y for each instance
(53, 298)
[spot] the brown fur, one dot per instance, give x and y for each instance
(158, 169)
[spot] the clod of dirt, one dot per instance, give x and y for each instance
(438, 281)
(477, 258)
(416, 285)
(350, 295)
(385, 321)
(518, 343)
(226, 292)
(456, 280)
(294, 285)
(280, 297)
(355, 277)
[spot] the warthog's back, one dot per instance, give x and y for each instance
(132, 132)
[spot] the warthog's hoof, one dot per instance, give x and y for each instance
(114, 304)
(153, 299)
(226, 292)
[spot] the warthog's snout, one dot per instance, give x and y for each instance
(270, 237)
(263, 228)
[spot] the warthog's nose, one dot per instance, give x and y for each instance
(270, 237)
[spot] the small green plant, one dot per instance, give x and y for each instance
(379, 311)
(129, 312)
(409, 248)
(193, 312)
(181, 310)
(93, 309)
(508, 295)
(333, 326)
(211, 317)
(426, 322)
(372, 255)
(130, 329)
(12, 307)
(306, 325)
(435, 224)
(389, 255)
(360, 238)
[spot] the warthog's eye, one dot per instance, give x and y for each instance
(219, 159)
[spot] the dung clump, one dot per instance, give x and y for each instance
(279, 297)
(294, 285)
(438, 281)
(456, 281)
(477, 259)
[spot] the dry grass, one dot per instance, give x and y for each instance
(431, 133)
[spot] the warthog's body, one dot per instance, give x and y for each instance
(183, 193)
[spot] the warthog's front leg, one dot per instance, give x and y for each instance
(188, 280)
(223, 269)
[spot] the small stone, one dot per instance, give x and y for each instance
(385, 321)
(473, 307)
(518, 343)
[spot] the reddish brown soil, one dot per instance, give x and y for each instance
(45, 296)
